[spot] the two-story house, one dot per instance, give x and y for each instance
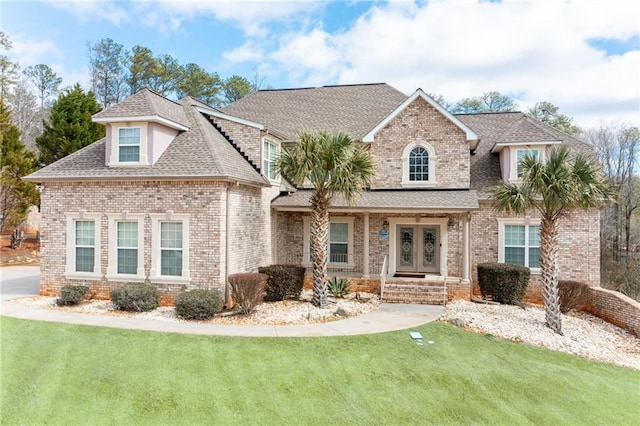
(182, 194)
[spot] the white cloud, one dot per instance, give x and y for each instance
(533, 51)
(94, 10)
(250, 51)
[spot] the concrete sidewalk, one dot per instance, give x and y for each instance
(389, 317)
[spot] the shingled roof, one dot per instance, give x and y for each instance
(501, 127)
(144, 103)
(354, 109)
(199, 153)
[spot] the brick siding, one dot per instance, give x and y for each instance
(204, 201)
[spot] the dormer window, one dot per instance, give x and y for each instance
(129, 144)
(418, 165)
(520, 153)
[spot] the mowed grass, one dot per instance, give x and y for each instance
(68, 374)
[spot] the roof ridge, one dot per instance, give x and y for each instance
(153, 92)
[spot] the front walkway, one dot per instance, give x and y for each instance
(21, 281)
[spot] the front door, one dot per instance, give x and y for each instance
(418, 248)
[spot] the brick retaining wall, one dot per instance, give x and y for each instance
(615, 308)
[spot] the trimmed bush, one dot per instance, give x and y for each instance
(338, 287)
(285, 281)
(573, 295)
(503, 283)
(247, 290)
(199, 304)
(135, 297)
(71, 294)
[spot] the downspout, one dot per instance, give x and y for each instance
(227, 232)
(467, 238)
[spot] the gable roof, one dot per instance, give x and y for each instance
(354, 109)
(472, 137)
(198, 153)
(145, 105)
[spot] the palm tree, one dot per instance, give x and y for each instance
(553, 188)
(334, 165)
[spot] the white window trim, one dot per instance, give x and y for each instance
(154, 272)
(114, 159)
(306, 241)
(513, 160)
(514, 221)
(70, 265)
(112, 268)
(278, 146)
(406, 183)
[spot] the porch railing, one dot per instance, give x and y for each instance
(344, 264)
(383, 275)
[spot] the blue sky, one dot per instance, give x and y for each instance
(583, 56)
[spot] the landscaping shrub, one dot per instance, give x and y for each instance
(135, 297)
(199, 304)
(503, 283)
(285, 281)
(338, 287)
(247, 290)
(573, 295)
(71, 294)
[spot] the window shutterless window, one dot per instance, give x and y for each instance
(127, 247)
(520, 153)
(418, 165)
(269, 153)
(128, 144)
(85, 246)
(521, 245)
(171, 248)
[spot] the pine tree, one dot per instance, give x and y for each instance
(70, 127)
(16, 161)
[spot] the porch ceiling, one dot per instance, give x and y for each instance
(388, 200)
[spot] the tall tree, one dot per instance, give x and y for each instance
(617, 146)
(107, 61)
(442, 101)
(16, 161)
(9, 71)
(236, 87)
(550, 114)
(334, 165)
(487, 102)
(194, 81)
(552, 188)
(70, 127)
(25, 112)
(165, 75)
(45, 80)
(142, 67)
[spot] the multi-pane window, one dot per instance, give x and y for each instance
(171, 248)
(338, 242)
(270, 151)
(127, 247)
(129, 144)
(418, 165)
(85, 245)
(522, 245)
(520, 153)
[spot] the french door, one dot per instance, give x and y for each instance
(418, 248)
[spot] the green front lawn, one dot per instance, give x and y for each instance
(68, 374)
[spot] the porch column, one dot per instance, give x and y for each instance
(466, 249)
(365, 249)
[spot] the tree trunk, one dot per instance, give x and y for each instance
(549, 267)
(319, 244)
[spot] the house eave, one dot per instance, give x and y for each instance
(501, 145)
(69, 179)
(150, 118)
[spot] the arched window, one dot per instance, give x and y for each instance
(418, 165)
